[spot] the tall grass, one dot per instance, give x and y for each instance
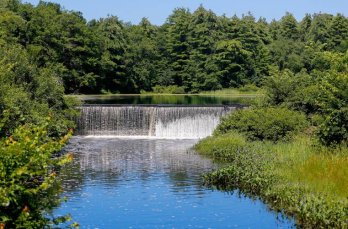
(299, 177)
(321, 173)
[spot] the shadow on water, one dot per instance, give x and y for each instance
(151, 183)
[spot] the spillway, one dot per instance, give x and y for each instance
(151, 121)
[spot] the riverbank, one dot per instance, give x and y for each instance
(246, 90)
(299, 178)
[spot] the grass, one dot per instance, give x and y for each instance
(234, 92)
(319, 169)
(320, 173)
(299, 177)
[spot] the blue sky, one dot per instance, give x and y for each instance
(158, 10)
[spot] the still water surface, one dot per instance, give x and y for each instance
(151, 183)
(167, 99)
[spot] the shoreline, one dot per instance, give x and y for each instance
(258, 170)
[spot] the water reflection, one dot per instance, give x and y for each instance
(107, 160)
(166, 99)
(142, 183)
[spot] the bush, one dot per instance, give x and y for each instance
(264, 123)
(172, 89)
(28, 177)
(334, 129)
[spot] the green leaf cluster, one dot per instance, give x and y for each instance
(269, 123)
(29, 165)
(322, 94)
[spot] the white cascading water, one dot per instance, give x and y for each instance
(150, 121)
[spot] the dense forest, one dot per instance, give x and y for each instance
(47, 52)
(193, 51)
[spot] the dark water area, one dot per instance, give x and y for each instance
(166, 99)
(151, 183)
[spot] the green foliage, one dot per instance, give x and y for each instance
(338, 32)
(29, 94)
(323, 93)
(334, 130)
(173, 89)
(289, 27)
(297, 91)
(288, 54)
(28, 170)
(233, 63)
(31, 89)
(198, 51)
(264, 123)
(111, 65)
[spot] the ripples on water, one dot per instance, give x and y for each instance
(151, 183)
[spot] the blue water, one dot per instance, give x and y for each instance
(149, 183)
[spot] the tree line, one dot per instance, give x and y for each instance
(194, 51)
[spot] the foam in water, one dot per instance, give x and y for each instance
(150, 121)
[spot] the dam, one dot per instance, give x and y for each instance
(158, 121)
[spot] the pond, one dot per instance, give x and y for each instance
(167, 99)
(133, 168)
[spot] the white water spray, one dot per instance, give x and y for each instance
(150, 121)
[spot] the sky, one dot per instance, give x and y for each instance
(158, 10)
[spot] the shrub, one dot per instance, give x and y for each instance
(264, 123)
(279, 87)
(172, 89)
(335, 128)
(28, 184)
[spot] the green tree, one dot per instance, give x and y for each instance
(177, 43)
(233, 63)
(289, 27)
(142, 57)
(112, 48)
(319, 31)
(338, 33)
(204, 31)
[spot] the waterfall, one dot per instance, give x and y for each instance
(151, 121)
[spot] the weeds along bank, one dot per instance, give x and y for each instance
(267, 155)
